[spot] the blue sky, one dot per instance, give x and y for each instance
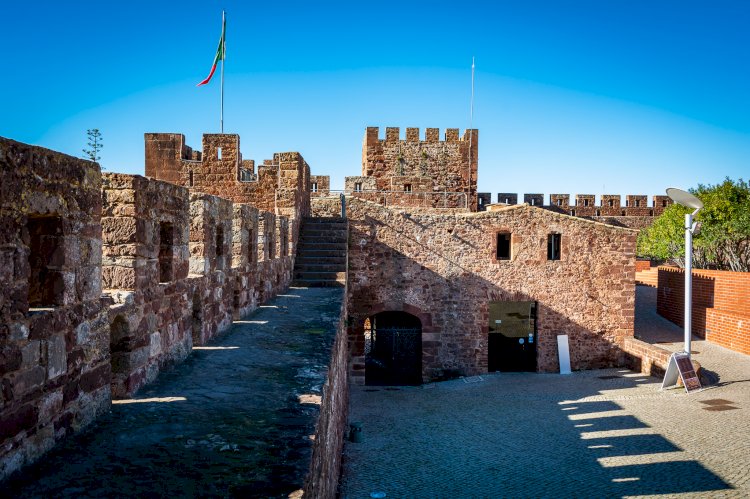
(577, 96)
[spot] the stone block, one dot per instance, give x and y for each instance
(57, 362)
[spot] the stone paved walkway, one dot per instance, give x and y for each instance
(607, 433)
(233, 420)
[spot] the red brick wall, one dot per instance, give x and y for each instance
(721, 304)
(641, 265)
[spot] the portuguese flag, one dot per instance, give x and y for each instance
(220, 52)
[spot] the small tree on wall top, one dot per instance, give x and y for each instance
(95, 144)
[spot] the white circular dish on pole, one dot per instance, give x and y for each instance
(684, 198)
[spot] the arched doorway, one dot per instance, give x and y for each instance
(393, 349)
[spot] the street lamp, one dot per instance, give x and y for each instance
(688, 200)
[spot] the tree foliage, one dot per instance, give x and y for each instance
(723, 241)
(95, 144)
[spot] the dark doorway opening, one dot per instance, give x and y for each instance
(512, 336)
(393, 349)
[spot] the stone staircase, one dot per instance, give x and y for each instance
(321, 252)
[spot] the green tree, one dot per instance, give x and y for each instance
(723, 241)
(95, 144)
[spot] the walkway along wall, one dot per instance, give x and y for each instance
(721, 304)
(443, 268)
(108, 279)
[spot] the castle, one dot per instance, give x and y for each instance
(108, 278)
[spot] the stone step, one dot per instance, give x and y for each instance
(319, 275)
(338, 234)
(321, 267)
(321, 245)
(327, 252)
(328, 259)
(317, 283)
(323, 220)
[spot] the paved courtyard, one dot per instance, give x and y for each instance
(606, 433)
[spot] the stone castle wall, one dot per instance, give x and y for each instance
(108, 279)
(54, 328)
(442, 269)
(420, 170)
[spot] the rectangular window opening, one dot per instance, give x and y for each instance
(218, 152)
(611, 203)
(585, 202)
(46, 259)
(637, 203)
(407, 187)
(166, 251)
(219, 243)
(358, 187)
(314, 187)
(190, 179)
(553, 246)
(503, 246)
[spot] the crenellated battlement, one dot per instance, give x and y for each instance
(422, 165)
(609, 205)
(431, 135)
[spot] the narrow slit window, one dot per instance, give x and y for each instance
(407, 187)
(553, 246)
(46, 259)
(637, 203)
(190, 179)
(503, 246)
(585, 202)
(358, 187)
(218, 152)
(219, 242)
(572, 213)
(166, 251)
(611, 203)
(314, 187)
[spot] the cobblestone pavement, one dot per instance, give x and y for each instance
(606, 433)
(232, 420)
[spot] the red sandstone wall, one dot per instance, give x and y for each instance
(54, 347)
(428, 165)
(441, 268)
(721, 304)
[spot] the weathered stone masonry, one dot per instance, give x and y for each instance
(442, 269)
(54, 329)
(108, 279)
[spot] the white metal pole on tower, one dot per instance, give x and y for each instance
(688, 279)
(471, 131)
(223, 56)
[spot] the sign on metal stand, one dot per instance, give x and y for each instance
(680, 365)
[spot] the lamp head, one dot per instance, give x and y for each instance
(684, 198)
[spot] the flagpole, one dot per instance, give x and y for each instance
(471, 127)
(223, 56)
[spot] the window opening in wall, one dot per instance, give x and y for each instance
(623, 213)
(46, 259)
(314, 187)
(219, 241)
(533, 202)
(627, 202)
(503, 246)
(407, 187)
(559, 202)
(572, 213)
(585, 202)
(166, 251)
(611, 203)
(651, 213)
(637, 203)
(664, 203)
(190, 179)
(507, 201)
(218, 152)
(358, 187)
(598, 213)
(553, 246)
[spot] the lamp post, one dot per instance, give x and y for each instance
(686, 199)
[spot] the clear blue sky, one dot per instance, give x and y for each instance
(577, 96)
